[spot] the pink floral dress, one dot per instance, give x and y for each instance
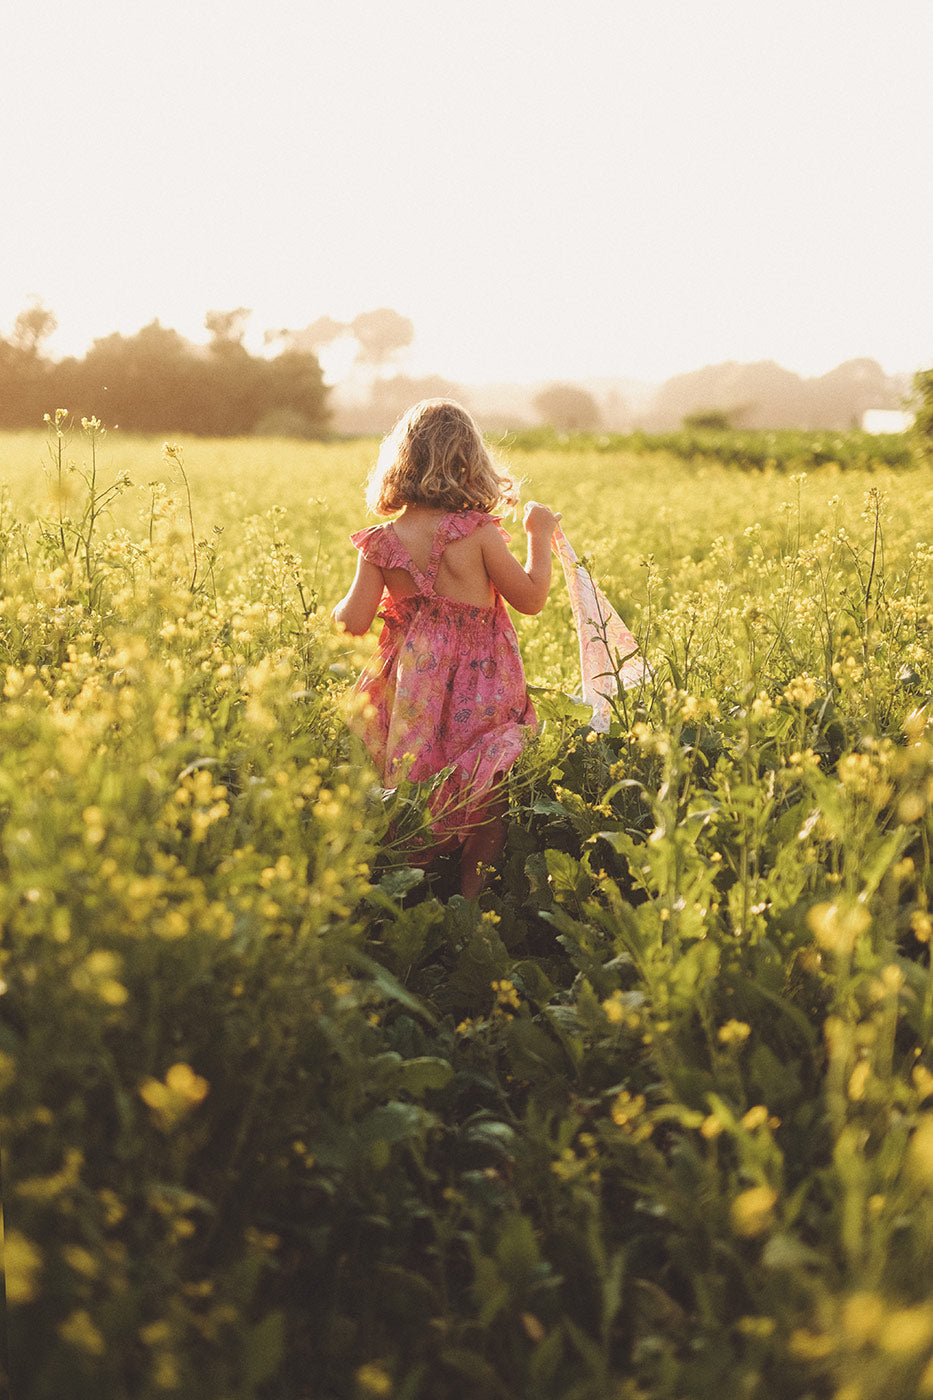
(446, 683)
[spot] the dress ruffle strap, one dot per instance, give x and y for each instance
(381, 546)
(457, 527)
(463, 523)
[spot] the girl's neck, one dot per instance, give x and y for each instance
(421, 508)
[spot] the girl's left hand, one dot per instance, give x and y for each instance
(539, 520)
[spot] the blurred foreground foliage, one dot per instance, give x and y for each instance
(283, 1119)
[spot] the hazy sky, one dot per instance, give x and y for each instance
(547, 188)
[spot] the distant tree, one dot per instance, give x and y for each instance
(225, 394)
(321, 333)
(295, 391)
(227, 328)
(923, 420)
(145, 382)
(25, 374)
(380, 335)
(156, 381)
(33, 326)
(840, 398)
(568, 407)
(760, 395)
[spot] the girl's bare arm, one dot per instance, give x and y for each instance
(525, 588)
(358, 608)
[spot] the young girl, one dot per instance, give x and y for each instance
(446, 685)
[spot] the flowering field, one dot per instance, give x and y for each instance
(283, 1119)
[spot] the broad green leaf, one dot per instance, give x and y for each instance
(390, 986)
(394, 1122)
(425, 1072)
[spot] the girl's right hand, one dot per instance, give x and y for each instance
(538, 520)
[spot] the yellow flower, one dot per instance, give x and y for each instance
(762, 1327)
(22, 1262)
(506, 995)
(810, 1346)
(907, 1330)
(612, 1006)
(155, 1333)
(373, 1380)
(626, 1109)
(862, 1316)
(858, 1080)
(911, 808)
(45, 1188)
(801, 691)
(734, 1033)
(836, 927)
(923, 1081)
(752, 1210)
(921, 925)
(81, 1331)
(81, 1260)
(171, 1100)
(920, 1153)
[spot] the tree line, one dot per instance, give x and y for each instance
(158, 381)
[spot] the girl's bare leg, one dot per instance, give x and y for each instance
(484, 845)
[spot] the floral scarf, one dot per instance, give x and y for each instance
(609, 656)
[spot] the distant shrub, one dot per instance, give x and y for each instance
(713, 419)
(923, 423)
(568, 408)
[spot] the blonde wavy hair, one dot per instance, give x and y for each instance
(435, 456)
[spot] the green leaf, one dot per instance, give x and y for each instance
(777, 1079)
(390, 986)
(532, 1050)
(555, 705)
(470, 1364)
(545, 1360)
(590, 1351)
(883, 858)
(787, 1252)
(518, 1254)
(622, 843)
(393, 887)
(405, 1294)
(487, 1138)
(548, 807)
(489, 1290)
(697, 968)
(567, 877)
(532, 982)
(484, 960)
(397, 883)
(424, 1072)
(394, 1122)
(263, 1348)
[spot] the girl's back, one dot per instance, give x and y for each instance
(461, 571)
